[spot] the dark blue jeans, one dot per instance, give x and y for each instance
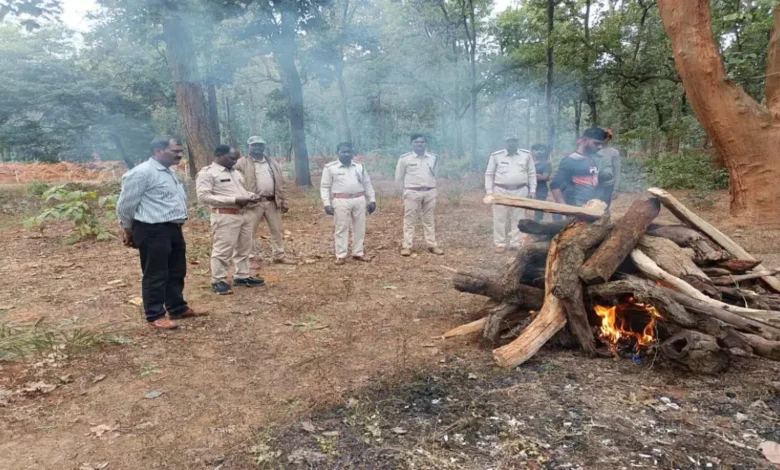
(164, 266)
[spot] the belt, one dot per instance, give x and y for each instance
(421, 188)
(348, 195)
(224, 210)
(511, 187)
(266, 199)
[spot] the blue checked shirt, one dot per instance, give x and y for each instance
(151, 193)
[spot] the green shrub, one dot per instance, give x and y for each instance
(37, 188)
(79, 207)
(685, 171)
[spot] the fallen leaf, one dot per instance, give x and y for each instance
(43, 387)
(771, 451)
(137, 301)
(153, 395)
(472, 376)
(101, 429)
(400, 431)
(115, 282)
(331, 434)
(99, 378)
(66, 379)
(308, 426)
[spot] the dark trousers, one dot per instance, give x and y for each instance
(164, 266)
(541, 195)
(606, 194)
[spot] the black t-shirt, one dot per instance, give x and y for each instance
(578, 178)
(543, 167)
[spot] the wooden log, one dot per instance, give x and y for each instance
(739, 266)
(648, 267)
(494, 287)
(592, 212)
(750, 299)
(534, 227)
(467, 329)
(550, 319)
(646, 292)
(678, 262)
(762, 347)
(706, 252)
(524, 269)
(716, 271)
(729, 280)
(493, 326)
(602, 265)
(568, 287)
(699, 352)
(687, 216)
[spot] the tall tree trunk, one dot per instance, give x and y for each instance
(121, 150)
(211, 93)
(550, 66)
(577, 117)
(528, 123)
(346, 129)
(476, 161)
(190, 102)
(285, 57)
(744, 132)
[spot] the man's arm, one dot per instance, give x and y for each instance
(490, 175)
(325, 184)
(561, 178)
(281, 190)
(400, 172)
(368, 187)
(133, 188)
(531, 172)
(616, 170)
(204, 188)
(542, 176)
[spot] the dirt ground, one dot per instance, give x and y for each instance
(342, 367)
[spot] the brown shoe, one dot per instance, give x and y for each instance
(163, 324)
(284, 261)
(436, 250)
(191, 313)
(340, 261)
(362, 258)
(500, 249)
(406, 252)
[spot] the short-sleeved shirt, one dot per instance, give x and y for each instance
(512, 170)
(543, 167)
(218, 187)
(578, 178)
(339, 178)
(416, 171)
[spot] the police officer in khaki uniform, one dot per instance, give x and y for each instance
(263, 176)
(221, 187)
(511, 172)
(345, 188)
(416, 171)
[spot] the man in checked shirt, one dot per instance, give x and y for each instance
(221, 187)
(347, 194)
(152, 208)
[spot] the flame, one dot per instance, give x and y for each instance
(614, 327)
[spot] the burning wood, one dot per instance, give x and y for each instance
(684, 291)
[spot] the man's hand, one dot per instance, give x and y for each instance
(242, 201)
(614, 195)
(329, 210)
(284, 208)
(127, 238)
(371, 207)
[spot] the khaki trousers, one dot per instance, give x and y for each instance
(505, 219)
(349, 213)
(419, 205)
(231, 236)
(268, 211)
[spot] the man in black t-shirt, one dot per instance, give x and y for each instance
(577, 179)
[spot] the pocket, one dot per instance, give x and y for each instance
(502, 169)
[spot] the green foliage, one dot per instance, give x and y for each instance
(685, 171)
(77, 206)
(18, 340)
(37, 188)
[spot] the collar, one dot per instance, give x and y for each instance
(417, 155)
(262, 160)
(352, 163)
(222, 168)
(157, 165)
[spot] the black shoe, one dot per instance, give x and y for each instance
(221, 288)
(249, 282)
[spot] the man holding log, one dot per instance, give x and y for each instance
(512, 172)
(577, 179)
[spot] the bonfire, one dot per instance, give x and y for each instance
(629, 288)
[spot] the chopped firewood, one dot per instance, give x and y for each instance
(728, 280)
(739, 266)
(600, 267)
(534, 227)
(750, 299)
(492, 328)
(475, 282)
(585, 212)
(678, 262)
(653, 271)
(687, 216)
(763, 347)
(467, 329)
(524, 269)
(697, 351)
(716, 271)
(706, 251)
(568, 287)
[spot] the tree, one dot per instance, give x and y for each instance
(744, 132)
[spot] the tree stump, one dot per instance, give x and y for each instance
(698, 352)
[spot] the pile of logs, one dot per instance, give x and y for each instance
(715, 300)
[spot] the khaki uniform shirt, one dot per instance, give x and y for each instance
(352, 179)
(265, 180)
(511, 170)
(415, 171)
(218, 187)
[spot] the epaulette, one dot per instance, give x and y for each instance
(407, 154)
(332, 163)
(497, 152)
